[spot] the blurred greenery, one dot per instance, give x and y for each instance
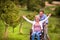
(57, 12)
(50, 1)
(35, 5)
(11, 13)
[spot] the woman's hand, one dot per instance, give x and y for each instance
(23, 16)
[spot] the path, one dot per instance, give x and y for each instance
(54, 3)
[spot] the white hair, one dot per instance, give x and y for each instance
(37, 16)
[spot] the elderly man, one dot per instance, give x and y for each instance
(42, 17)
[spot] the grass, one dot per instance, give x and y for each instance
(54, 30)
(17, 36)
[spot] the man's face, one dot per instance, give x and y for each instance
(41, 14)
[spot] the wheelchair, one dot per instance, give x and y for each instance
(41, 35)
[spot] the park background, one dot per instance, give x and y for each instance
(11, 21)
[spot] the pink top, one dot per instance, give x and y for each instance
(37, 28)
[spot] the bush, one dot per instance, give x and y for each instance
(22, 2)
(50, 1)
(35, 5)
(9, 13)
(31, 16)
(57, 10)
(42, 3)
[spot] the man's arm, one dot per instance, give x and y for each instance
(46, 18)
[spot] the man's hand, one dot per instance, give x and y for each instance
(49, 14)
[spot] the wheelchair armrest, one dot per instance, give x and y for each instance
(30, 31)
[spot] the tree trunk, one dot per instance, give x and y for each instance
(6, 31)
(13, 29)
(20, 28)
(28, 4)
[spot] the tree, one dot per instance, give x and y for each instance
(20, 24)
(35, 5)
(22, 2)
(50, 1)
(57, 11)
(9, 12)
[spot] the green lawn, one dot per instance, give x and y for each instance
(54, 29)
(16, 36)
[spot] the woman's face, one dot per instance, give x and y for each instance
(37, 18)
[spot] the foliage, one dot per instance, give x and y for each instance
(57, 10)
(50, 1)
(22, 2)
(42, 3)
(35, 5)
(9, 12)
